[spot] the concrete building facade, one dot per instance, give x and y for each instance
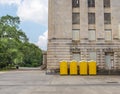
(84, 30)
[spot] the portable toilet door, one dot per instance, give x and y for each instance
(92, 67)
(83, 68)
(73, 68)
(63, 68)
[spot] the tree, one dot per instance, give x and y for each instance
(32, 55)
(9, 28)
(14, 46)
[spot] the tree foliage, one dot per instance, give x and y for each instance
(14, 46)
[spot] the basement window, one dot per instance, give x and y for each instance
(91, 3)
(75, 3)
(107, 3)
(93, 56)
(76, 56)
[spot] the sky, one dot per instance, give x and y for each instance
(34, 18)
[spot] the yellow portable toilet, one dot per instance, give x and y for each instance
(92, 67)
(73, 68)
(63, 68)
(83, 68)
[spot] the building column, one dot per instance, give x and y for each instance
(83, 20)
(100, 34)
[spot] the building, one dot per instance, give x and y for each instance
(84, 30)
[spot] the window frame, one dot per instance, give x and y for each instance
(91, 37)
(76, 19)
(91, 3)
(107, 18)
(90, 55)
(91, 18)
(75, 3)
(75, 54)
(74, 38)
(106, 36)
(107, 3)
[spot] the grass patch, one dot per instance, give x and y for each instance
(7, 69)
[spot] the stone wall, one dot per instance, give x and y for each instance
(60, 43)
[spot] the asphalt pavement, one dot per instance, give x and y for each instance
(37, 82)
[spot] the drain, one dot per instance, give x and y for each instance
(111, 82)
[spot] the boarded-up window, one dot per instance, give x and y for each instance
(108, 35)
(91, 3)
(76, 18)
(107, 18)
(75, 3)
(91, 18)
(106, 3)
(92, 35)
(76, 35)
(76, 56)
(92, 56)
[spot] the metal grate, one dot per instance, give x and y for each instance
(75, 3)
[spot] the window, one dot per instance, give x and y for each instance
(107, 3)
(75, 3)
(92, 35)
(76, 18)
(107, 18)
(76, 56)
(76, 35)
(91, 18)
(108, 35)
(91, 3)
(92, 56)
